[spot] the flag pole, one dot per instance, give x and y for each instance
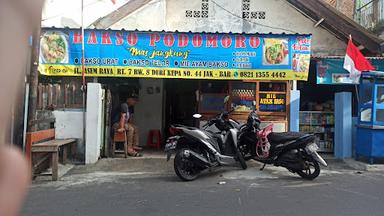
(84, 88)
(357, 93)
(82, 45)
(356, 88)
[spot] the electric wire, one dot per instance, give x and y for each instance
(249, 21)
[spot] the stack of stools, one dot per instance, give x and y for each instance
(154, 139)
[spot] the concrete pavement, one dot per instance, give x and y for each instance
(150, 187)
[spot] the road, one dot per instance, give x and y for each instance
(274, 191)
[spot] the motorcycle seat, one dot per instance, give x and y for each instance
(184, 126)
(285, 137)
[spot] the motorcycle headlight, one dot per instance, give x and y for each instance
(311, 148)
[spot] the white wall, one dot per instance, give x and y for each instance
(94, 123)
(149, 17)
(281, 17)
(149, 111)
(67, 13)
(69, 125)
(169, 15)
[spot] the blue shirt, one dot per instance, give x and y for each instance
(124, 108)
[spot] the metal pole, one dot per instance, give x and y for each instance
(83, 70)
(26, 102)
(82, 45)
(294, 85)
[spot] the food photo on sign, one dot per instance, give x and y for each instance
(301, 62)
(275, 51)
(54, 47)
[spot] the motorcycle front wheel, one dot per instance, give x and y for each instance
(184, 168)
(241, 160)
(245, 152)
(311, 168)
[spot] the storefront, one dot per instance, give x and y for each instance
(179, 73)
(317, 112)
(247, 67)
(270, 96)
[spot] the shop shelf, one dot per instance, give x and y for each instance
(322, 125)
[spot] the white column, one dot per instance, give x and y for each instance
(94, 121)
(294, 116)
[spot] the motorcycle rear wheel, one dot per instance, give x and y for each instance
(184, 167)
(312, 169)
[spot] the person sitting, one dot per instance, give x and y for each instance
(125, 125)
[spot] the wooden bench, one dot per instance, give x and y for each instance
(44, 142)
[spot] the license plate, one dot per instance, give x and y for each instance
(170, 146)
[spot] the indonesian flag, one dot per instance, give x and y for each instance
(113, 1)
(355, 62)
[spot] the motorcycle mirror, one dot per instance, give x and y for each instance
(197, 116)
(226, 99)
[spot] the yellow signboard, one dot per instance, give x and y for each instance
(183, 73)
(110, 53)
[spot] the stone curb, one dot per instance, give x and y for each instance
(358, 165)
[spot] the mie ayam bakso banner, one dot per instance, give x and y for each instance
(175, 55)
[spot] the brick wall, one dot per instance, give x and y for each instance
(345, 6)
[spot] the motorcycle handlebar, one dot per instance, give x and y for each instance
(219, 116)
(209, 123)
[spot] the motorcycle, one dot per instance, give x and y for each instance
(295, 151)
(200, 149)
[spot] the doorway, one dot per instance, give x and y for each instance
(180, 102)
(116, 90)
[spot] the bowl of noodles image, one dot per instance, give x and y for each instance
(275, 51)
(54, 48)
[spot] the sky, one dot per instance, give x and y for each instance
(67, 13)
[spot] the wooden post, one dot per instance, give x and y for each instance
(50, 95)
(34, 78)
(39, 97)
(55, 166)
(65, 153)
(65, 95)
(375, 12)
